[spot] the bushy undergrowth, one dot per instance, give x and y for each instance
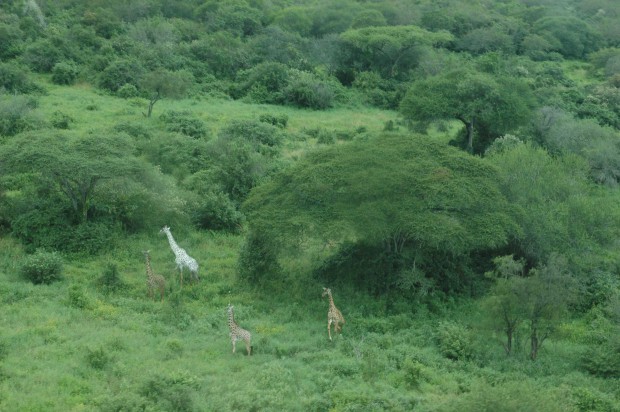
(42, 267)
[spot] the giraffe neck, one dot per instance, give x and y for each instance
(149, 270)
(231, 318)
(331, 300)
(173, 245)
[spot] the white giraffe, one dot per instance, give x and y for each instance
(182, 259)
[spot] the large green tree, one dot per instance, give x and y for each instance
(389, 50)
(406, 194)
(76, 165)
(487, 105)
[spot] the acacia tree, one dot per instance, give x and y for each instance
(163, 83)
(400, 192)
(76, 165)
(389, 49)
(487, 104)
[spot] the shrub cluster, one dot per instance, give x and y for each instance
(184, 122)
(42, 267)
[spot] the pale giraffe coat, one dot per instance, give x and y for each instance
(238, 333)
(334, 316)
(154, 281)
(182, 259)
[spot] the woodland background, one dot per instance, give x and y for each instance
(450, 169)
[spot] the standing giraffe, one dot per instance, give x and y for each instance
(333, 315)
(154, 281)
(182, 259)
(238, 333)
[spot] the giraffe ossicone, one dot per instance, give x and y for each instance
(334, 316)
(182, 259)
(237, 332)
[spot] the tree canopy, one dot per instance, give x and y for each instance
(399, 191)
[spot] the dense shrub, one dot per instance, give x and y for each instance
(120, 73)
(60, 120)
(186, 123)
(42, 267)
(172, 393)
(15, 115)
(263, 83)
(256, 258)
(280, 120)
(14, 79)
(110, 280)
(127, 91)
(214, 210)
(454, 340)
(306, 90)
(42, 55)
(604, 360)
(64, 72)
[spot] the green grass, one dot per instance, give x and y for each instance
(69, 346)
(75, 346)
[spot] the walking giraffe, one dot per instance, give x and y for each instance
(154, 281)
(182, 259)
(238, 333)
(333, 315)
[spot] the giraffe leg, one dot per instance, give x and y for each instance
(329, 324)
(181, 277)
(248, 348)
(234, 344)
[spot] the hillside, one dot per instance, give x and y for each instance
(450, 170)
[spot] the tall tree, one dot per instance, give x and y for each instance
(486, 104)
(76, 165)
(402, 192)
(390, 50)
(163, 83)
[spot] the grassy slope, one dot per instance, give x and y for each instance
(70, 347)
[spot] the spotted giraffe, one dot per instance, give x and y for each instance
(333, 315)
(182, 259)
(238, 333)
(154, 281)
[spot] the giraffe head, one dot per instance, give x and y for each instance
(146, 253)
(326, 291)
(165, 229)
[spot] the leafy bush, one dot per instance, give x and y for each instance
(77, 298)
(42, 267)
(42, 55)
(127, 91)
(14, 79)
(454, 340)
(64, 72)
(306, 90)
(97, 358)
(263, 83)
(110, 280)
(185, 123)
(604, 360)
(172, 393)
(257, 258)
(216, 211)
(60, 120)
(280, 120)
(133, 129)
(15, 114)
(120, 73)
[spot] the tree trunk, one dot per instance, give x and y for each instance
(152, 102)
(534, 346)
(508, 345)
(470, 135)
